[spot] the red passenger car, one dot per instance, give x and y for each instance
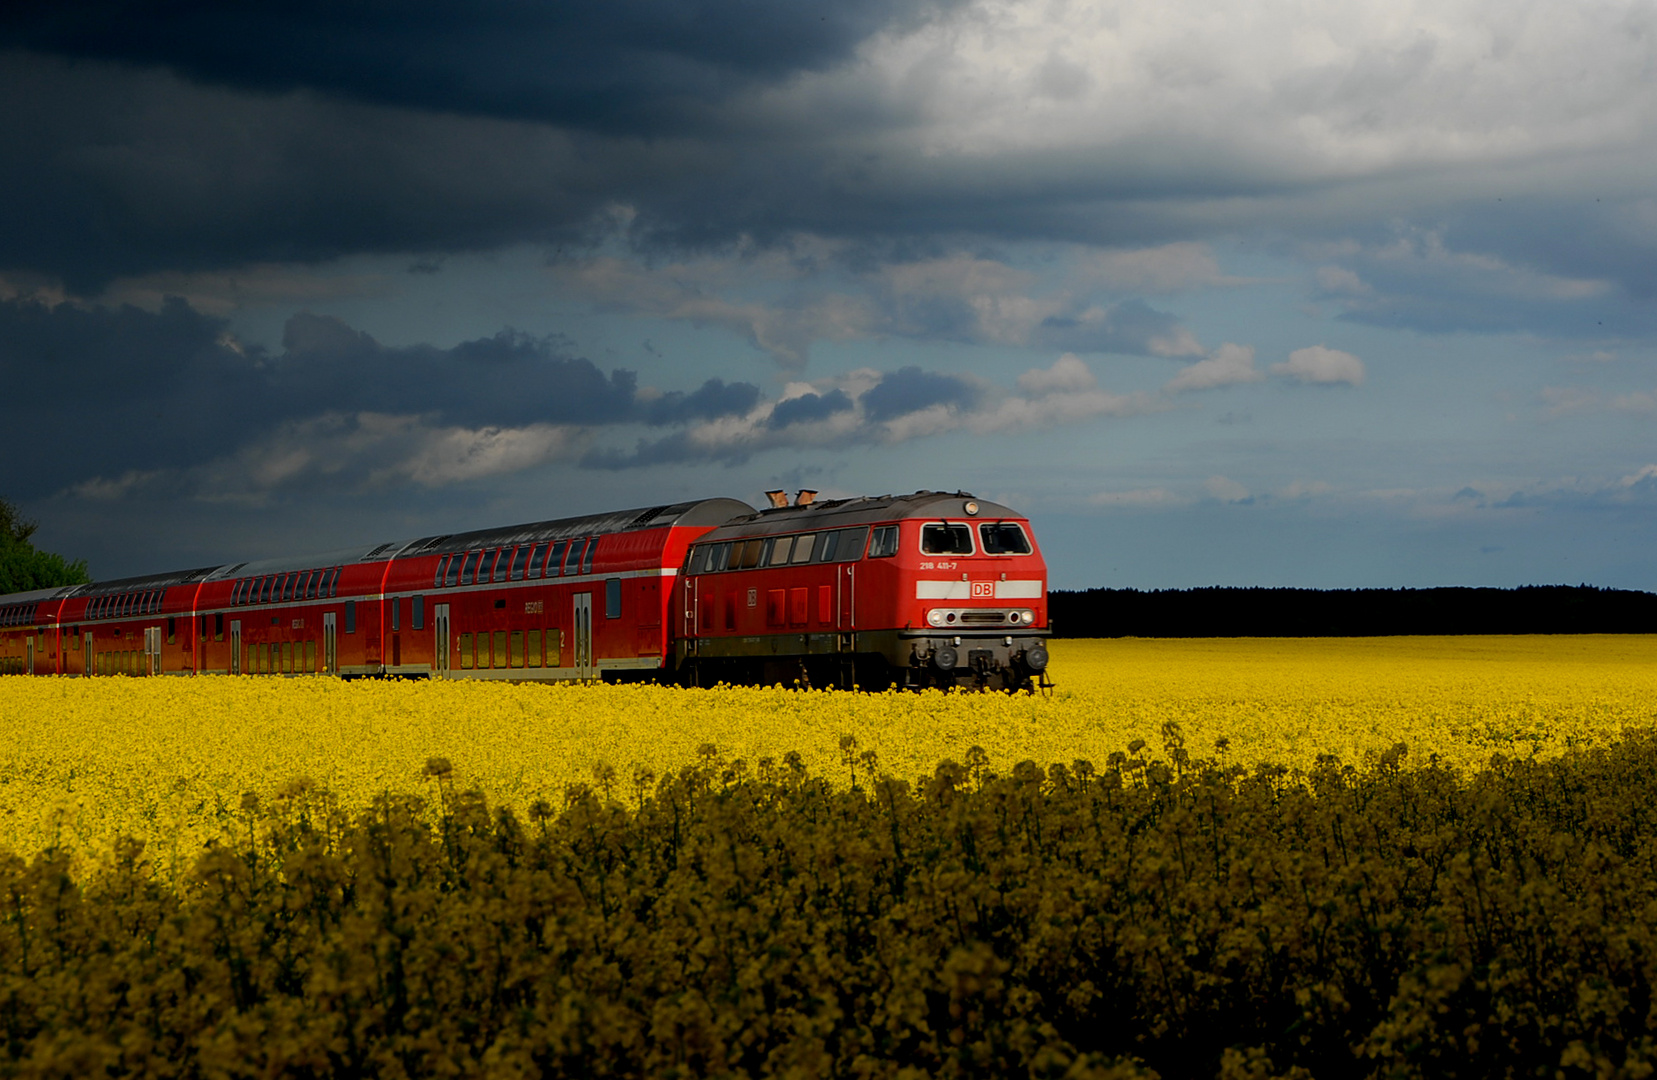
(925, 589)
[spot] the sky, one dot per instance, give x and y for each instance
(1331, 295)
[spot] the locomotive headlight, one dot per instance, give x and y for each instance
(1015, 617)
(935, 617)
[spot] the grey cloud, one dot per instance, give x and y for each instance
(809, 407)
(112, 393)
(909, 389)
(714, 398)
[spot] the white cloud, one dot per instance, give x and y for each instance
(1228, 365)
(1225, 489)
(1068, 374)
(1320, 364)
(104, 489)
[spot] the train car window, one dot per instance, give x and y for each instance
(396, 612)
(264, 590)
(313, 578)
(290, 587)
(218, 625)
(171, 631)
(748, 557)
(555, 558)
(469, 568)
(825, 546)
(236, 592)
(782, 549)
(612, 598)
(587, 558)
(350, 616)
(535, 648)
(451, 576)
(330, 583)
(1003, 538)
(485, 566)
(572, 558)
(519, 560)
(884, 542)
(698, 561)
(945, 538)
(721, 557)
(442, 568)
(536, 559)
(466, 650)
(417, 614)
(852, 542)
(503, 564)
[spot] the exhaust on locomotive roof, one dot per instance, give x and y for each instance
(779, 499)
(805, 497)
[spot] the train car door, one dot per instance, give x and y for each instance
(848, 596)
(29, 653)
(152, 650)
(86, 662)
(583, 635)
(235, 646)
(687, 628)
(440, 629)
(330, 650)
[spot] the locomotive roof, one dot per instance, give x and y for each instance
(835, 513)
(691, 513)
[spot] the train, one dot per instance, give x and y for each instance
(931, 589)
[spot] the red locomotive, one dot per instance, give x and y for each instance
(929, 589)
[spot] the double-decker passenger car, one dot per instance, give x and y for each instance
(924, 589)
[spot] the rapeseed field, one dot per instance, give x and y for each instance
(169, 761)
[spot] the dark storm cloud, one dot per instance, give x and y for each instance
(714, 398)
(911, 389)
(639, 64)
(133, 171)
(101, 392)
(809, 407)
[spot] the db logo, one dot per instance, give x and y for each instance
(753, 598)
(982, 589)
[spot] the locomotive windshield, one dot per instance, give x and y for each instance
(943, 538)
(1003, 538)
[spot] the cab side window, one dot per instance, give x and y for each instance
(884, 542)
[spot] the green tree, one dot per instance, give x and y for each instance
(23, 566)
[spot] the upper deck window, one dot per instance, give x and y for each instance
(1003, 538)
(587, 558)
(469, 567)
(555, 558)
(519, 560)
(572, 557)
(536, 559)
(945, 538)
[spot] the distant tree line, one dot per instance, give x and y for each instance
(24, 567)
(1232, 612)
